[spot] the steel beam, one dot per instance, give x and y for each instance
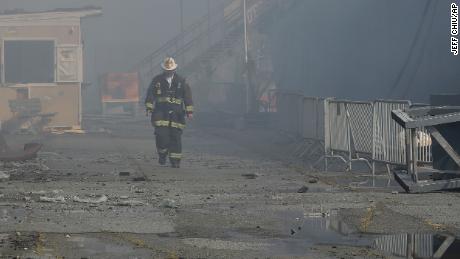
(444, 144)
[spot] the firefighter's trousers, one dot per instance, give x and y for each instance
(169, 142)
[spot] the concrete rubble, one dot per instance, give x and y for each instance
(231, 199)
(52, 199)
(94, 199)
(130, 203)
(4, 176)
(169, 204)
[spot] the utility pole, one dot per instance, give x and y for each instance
(245, 17)
(209, 23)
(181, 44)
(181, 3)
(245, 23)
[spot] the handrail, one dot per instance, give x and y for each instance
(188, 44)
(192, 27)
(192, 35)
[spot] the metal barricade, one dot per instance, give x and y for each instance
(313, 118)
(424, 146)
(389, 137)
(312, 128)
(361, 122)
(423, 140)
(348, 131)
(339, 137)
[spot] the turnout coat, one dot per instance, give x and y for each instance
(169, 103)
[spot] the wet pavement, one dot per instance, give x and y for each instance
(102, 195)
(306, 235)
(374, 183)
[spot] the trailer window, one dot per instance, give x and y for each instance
(28, 61)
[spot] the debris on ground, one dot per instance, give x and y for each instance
(101, 206)
(303, 189)
(23, 168)
(29, 152)
(130, 203)
(52, 199)
(139, 179)
(109, 158)
(4, 176)
(124, 173)
(138, 191)
(93, 199)
(250, 176)
(317, 214)
(67, 131)
(169, 204)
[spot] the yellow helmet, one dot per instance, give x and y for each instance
(169, 64)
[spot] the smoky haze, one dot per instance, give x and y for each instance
(357, 49)
(125, 33)
(367, 49)
(292, 129)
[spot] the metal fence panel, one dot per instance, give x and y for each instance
(424, 141)
(321, 119)
(338, 126)
(389, 138)
(424, 146)
(361, 119)
(347, 126)
(313, 118)
(327, 126)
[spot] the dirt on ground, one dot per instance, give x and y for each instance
(238, 194)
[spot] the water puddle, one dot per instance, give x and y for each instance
(325, 228)
(303, 232)
(297, 232)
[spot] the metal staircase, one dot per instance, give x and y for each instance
(202, 44)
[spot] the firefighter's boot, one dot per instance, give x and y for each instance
(175, 163)
(162, 159)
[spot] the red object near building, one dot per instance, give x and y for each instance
(120, 87)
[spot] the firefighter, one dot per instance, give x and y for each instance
(169, 101)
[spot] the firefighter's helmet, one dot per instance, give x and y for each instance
(169, 64)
